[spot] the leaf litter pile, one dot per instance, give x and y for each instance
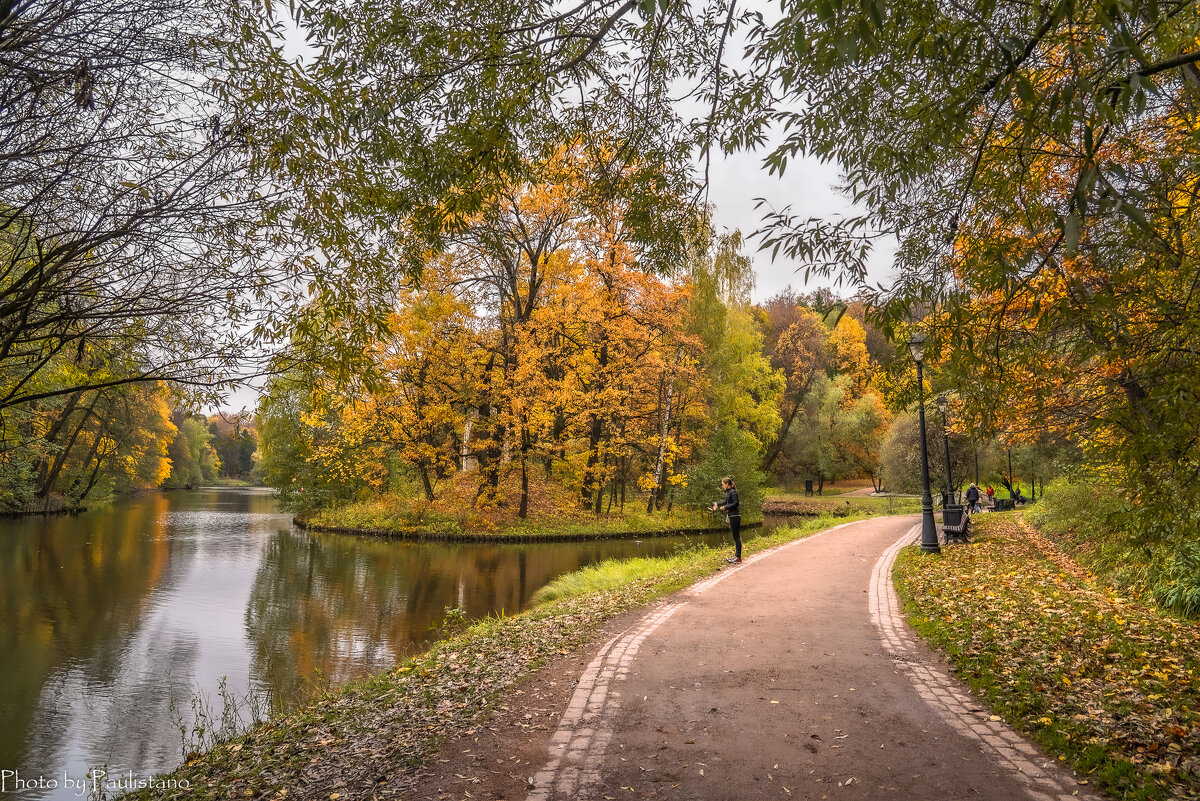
(370, 739)
(1110, 685)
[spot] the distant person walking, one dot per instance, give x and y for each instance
(973, 498)
(733, 515)
(991, 495)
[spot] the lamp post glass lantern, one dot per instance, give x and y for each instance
(916, 346)
(929, 537)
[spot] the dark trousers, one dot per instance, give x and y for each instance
(735, 528)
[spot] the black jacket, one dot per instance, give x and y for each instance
(731, 503)
(972, 495)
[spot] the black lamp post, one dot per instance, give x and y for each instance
(943, 403)
(929, 537)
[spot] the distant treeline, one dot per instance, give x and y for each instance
(90, 445)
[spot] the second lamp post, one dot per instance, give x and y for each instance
(943, 403)
(929, 535)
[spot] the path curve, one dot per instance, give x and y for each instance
(791, 675)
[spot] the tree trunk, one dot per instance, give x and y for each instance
(556, 434)
(425, 482)
(664, 427)
(86, 461)
(777, 445)
(662, 496)
(523, 509)
(51, 475)
(624, 472)
(488, 457)
(91, 481)
(51, 436)
(595, 432)
(467, 460)
(600, 487)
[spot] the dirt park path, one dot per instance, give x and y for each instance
(790, 676)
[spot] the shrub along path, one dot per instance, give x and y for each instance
(790, 676)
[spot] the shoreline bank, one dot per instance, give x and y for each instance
(500, 538)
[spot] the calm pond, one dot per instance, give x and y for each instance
(115, 624)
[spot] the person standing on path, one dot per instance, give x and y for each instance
(733, 515)
(973, 498)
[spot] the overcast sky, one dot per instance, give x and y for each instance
(808, 187)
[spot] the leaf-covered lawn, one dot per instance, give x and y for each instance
(1108, 683)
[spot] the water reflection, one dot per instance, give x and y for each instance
(72, 591)
(327, 608)
(112, 622)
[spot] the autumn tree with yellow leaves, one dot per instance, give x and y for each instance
(544, 350)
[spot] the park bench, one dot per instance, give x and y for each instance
(956, 523)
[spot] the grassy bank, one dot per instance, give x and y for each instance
(797, 503)
(230, 483)
(790, 487)
(368, 737)
(389, 516)
(1109, 684)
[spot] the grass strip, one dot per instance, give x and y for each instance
(797, 503)
(369, 738)
(1109, 685)
(384, 517)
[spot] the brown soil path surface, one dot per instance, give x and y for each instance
(791, 676)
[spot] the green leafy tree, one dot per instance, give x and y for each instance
(900, 459)
(859, 431)
(408, 122)
(235, 441)
(66, 448)
(730, 452)
(813, 448)
(194, 460)
(743, 386)
(125, 197)
(306, 453)
(801, 353)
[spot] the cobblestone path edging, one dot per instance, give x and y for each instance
(1043, 779)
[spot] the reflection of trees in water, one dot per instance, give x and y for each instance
(333, 607)
(72, 590)
(317, 612)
